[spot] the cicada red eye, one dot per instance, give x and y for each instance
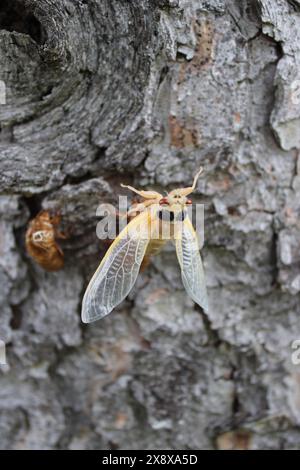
(189, 202)
(164, 202)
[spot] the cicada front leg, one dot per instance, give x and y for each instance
(150, 198)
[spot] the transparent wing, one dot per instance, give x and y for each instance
(118, 270)
(189, 258)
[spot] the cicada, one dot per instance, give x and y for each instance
(157, 220)
(41, 240)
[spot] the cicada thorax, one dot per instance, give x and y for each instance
(41, 241)
(165, 227)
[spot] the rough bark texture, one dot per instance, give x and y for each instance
(104, 91)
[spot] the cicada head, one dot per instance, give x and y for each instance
(177, 199)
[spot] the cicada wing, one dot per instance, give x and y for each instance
(188, 254)
(118, 270)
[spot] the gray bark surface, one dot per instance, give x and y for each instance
(144, 92)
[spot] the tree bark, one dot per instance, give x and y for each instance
(100, 92)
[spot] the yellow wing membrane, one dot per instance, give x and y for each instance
(118, 270)
(189, 258)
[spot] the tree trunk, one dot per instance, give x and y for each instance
(100, 92)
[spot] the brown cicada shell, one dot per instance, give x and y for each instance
(41, 243)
